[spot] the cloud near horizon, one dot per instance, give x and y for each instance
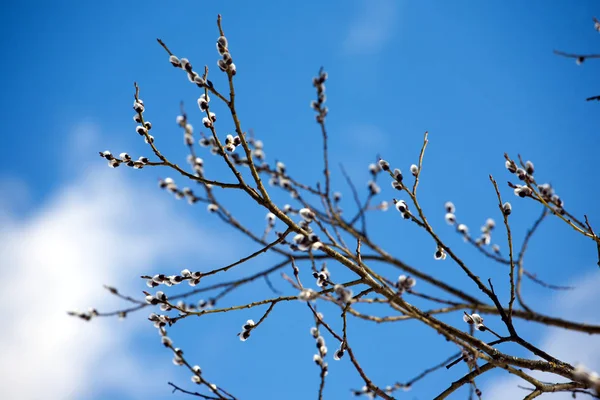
(572, 347)
(100, 228)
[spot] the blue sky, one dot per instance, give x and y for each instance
(481, 78)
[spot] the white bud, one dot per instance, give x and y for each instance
(174, 60)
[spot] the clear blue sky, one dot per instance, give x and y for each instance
(481, 78)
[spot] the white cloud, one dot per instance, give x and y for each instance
(372, 27)
(572, 347)
(99, 229)
(84, 139)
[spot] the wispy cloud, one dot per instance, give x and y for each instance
(572, 347)
(372, 27)
(364, 143)
(100, 228)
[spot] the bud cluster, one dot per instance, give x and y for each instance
(160, 279)
(197, 164)
(185, 308)
(397, 182)
(590, 378)
(226, 62)
(339, 353)
(439, 254)
(158, 298)
(160, 322)
(246, 329)
(142, 130)
(278, 177)
(188, 129)
(545, 190)
(524, 174)
(169, 184)
(405, 283)
(271, 219)
(209, 120)
(474, 319)
(374, 189)
(384, 165)
(178, 357)
(370, 393)
(124, 158)
(321, 351)
(206, 304)
(232, 142)
(258, 151)
(450, 217)
(86, 316)
(414, 169)
(486, 233)
(522, 191)
(197, 377)
(374, 169)
(322, 276)
(343, 294)
(383, 206)
(486, 229)
(288, 209)
(305, 243)
(319, 104)
(203, 101)
(402, 208)
(210, 142)
(307, 294)
(186, 65)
